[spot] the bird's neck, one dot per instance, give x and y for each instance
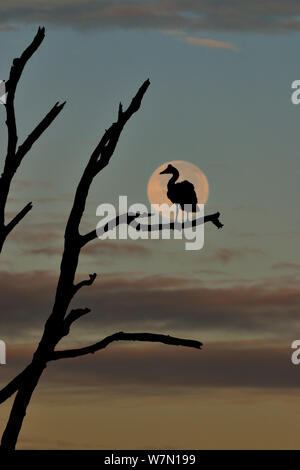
(174, 177)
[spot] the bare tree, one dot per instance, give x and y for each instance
(61, 319)
(15, 153)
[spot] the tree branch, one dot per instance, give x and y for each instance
(73, 240)
(117, 127)
(73, 316)
(19, 63)
(86, 282)
(13, 386)
(120, 219)
(213, 218)
(129, 219)
(152, 337)
(13, 156)
(38, 131)
(100, 158)
(11, 225)
(11, 85)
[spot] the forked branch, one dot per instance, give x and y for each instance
(15, 156)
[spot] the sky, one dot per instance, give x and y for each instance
(219, 98)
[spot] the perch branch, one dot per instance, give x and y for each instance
(120, 336)
(213, 218)
(129, 219)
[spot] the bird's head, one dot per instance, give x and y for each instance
(169, 170)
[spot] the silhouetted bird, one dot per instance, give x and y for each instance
(180, 193)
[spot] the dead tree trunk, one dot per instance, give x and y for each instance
(60, 321)
(22, 399)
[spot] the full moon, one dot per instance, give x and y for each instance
(157, 184)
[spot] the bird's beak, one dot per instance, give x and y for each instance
(164, 172)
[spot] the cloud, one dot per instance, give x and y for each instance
(266, 16)
(210, 272)
(292, 266)
(156, 304)
(46, 251)
(116, 249)
(137, 366)
(208, 43)
(173, 32)
(195, 41)
(105, 248)
(216, 365)
(34, 238)
(8, 27)
(21, 185)
(225, 254)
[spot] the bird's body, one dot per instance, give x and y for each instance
(182, 193)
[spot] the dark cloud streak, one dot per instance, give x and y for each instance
(157, 367)
(268, 16)
(154, 304)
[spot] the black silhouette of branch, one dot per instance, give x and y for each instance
(14, 155)
(129, 219)
(24, 148)
(86, 282)
(213, 218)
(121, 336)
(11, 225)
(73, 316)
(13, 386)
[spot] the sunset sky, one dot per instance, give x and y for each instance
(220, 98)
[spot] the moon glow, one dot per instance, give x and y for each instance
(157, 184)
